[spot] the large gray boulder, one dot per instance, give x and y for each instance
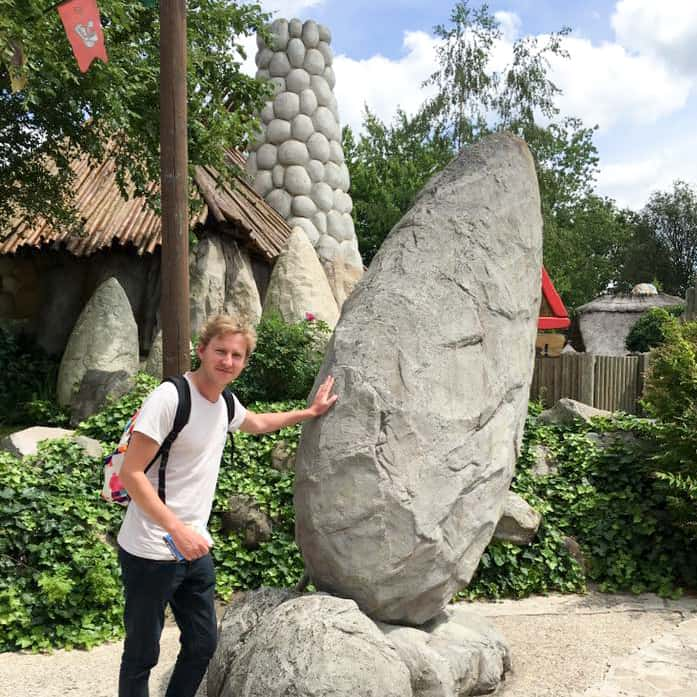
(277, 642)
(399, 487)
(105, 338)
(310, 646)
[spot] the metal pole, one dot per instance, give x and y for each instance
(174, 297)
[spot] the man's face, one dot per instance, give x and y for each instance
(223, 358)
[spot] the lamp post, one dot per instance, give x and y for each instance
(174, 294)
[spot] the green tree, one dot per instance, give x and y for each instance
(61, 113)
(389, 164)
(670, 219)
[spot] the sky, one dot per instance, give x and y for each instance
(631, 71)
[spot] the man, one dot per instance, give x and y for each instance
(151, 577)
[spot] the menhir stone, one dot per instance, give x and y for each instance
(399, 487)
(105, 338)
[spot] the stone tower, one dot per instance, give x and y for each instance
(298, 163)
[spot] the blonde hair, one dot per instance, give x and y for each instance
(220, 325)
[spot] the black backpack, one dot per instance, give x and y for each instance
(112, 489)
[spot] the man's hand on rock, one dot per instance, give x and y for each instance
(324, 398)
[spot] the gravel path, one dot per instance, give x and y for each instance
(562, 646)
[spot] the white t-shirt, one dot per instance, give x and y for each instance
(192, 468)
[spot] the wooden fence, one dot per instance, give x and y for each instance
(614, 383)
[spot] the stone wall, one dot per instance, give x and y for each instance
(298, 162)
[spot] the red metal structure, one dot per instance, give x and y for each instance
(553, 314)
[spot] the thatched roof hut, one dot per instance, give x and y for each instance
(606, 321)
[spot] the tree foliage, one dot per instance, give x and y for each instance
(61, 113)
(583, 233)
(389, 164)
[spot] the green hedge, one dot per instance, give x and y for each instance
(59, 580)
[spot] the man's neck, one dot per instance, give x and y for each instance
(210, 390)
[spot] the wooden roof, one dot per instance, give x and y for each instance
(109, 218)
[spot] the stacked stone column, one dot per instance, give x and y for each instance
(298, 162)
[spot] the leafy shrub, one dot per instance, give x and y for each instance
(652, 328)
(286, 360)
(609, 501)
(59, 581)
(670, 396)
(27, 383)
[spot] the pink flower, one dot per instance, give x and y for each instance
(310, 316)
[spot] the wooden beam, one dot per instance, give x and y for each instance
(174, 297)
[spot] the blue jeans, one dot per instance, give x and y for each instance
(189, 588)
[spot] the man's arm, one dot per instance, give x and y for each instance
(265, 423)
(141, 451)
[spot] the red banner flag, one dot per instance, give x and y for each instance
(84, 29)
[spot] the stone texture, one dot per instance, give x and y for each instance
(242, 298)
(283, 457)
(244, 515)
(96, 387)
(278, 131)
(206, 281)
(400, 486)
(314, 646)
(567, 411)
(302, 128)
(286, 105)
(456, 654)
(293, 152)
(243, 614)
(308, 102)
(105, 337)
(266, 156)
(280, 200)
(544, 461)
(297, 181)
(310, 34)
(298, 284)
(296, 53)
(519, 521)
(279, 66)
(25, 442)
(343, 276)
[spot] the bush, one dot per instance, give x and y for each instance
(609, 501)
(652, 328)
(59, 580)
(28, 383)
(670, 396)
(286, 360)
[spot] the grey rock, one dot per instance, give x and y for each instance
(280, 200)
(310, 34)
(244, 515)
(298, 284)
(25, 442)
(286, 105)
(295, 27)
(400, 486)
(296, 53)
(568, 411)
(519, 521)
(206, 281)
(314, 62)
(314, 645)
(297, 181)
(241, 617)
(308, 102)
(302, 128)
(279, 66)
(105, 338)
(456, 654)
(242, 298)
(293, 152)
(96, 388)
(278, 131)
(297, 80)
(614, 439)
(283, 457)
(279, 34)
(575, 551)
(545, 461)
(267, 156)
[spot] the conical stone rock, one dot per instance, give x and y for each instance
(298, 284)
(400, 486)
(105, 338)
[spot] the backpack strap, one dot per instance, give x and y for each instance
(230, 404)
(181, 418)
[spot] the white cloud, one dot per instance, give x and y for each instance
(666, 29)
(384, 84)
(510, 25)
(289, 8)
(605, 85)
